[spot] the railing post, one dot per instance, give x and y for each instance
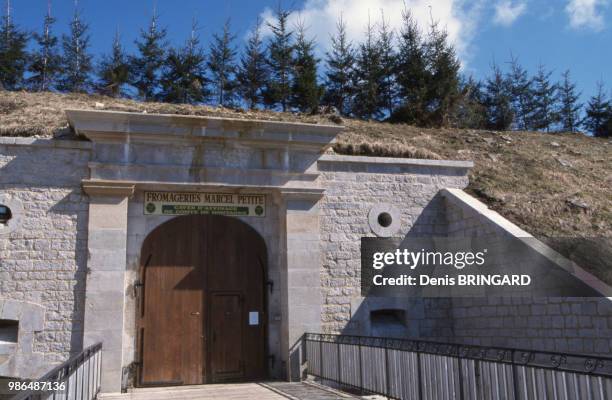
(339, 362)
(360, 365)
(321, 357)
(461, 397)
(420, 385)
(100, 356)
(515, 387)
(88, 374)
(387, 374)
(82, 368)
(67, 381)
(304, 352)
(76, 383)
(98, 374)
(477, 386)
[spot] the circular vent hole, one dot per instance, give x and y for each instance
(5, 214)
(385, 219)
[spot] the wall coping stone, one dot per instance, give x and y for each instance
(391, 161)
(302, 193)
(54, 143)
(465, 202)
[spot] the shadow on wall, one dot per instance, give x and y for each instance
(405, 317)
(561, 324)
(78, 275)
(45, 177)
(44, 163)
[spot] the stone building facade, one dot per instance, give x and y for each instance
(72, 262)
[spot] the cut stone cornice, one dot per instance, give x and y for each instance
(107, 188)
(129, 127)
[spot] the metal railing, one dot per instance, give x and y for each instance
(76, 379)
(423, 370)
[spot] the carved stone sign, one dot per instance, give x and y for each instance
(215, 203)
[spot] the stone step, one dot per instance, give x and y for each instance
(238, 391)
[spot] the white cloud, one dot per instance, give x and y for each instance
(459, 17)
(506, 12)
(586, 14)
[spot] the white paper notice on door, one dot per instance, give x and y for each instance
(253, 317)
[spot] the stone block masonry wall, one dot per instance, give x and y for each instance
(44, 253)
(428, 208)
(555, 324)
(352, 188)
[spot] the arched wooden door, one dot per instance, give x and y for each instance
(201, 315)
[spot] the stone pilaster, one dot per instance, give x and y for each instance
(300, 275)
(104, 297)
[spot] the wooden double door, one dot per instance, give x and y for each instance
(201, 303)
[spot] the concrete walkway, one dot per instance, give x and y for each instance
(237, 391)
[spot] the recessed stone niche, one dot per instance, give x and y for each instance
(19, 322)
(9, 331)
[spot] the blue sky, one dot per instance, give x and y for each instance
(561, 34)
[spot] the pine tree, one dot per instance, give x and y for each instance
(411, 73)
(443, 77)
(76, 61)
(145, 68)
(544, 115)
(252, 73)
(13, 55)
(340, 68)
(388, 60)
(46, 61)
(498, 101)
(471, 112)
(184, 73)
(569, 108)
(522, 95)
(306, 92)
(606, 131)
(114, 70)
(280, 62)
(367, 100)
(221, 64)
(598, 118)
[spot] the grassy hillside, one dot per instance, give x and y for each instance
(551, 185)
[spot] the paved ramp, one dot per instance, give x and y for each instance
(233, 391)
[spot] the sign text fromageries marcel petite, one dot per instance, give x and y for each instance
(181, 203)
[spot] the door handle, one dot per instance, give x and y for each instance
(195, 313)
